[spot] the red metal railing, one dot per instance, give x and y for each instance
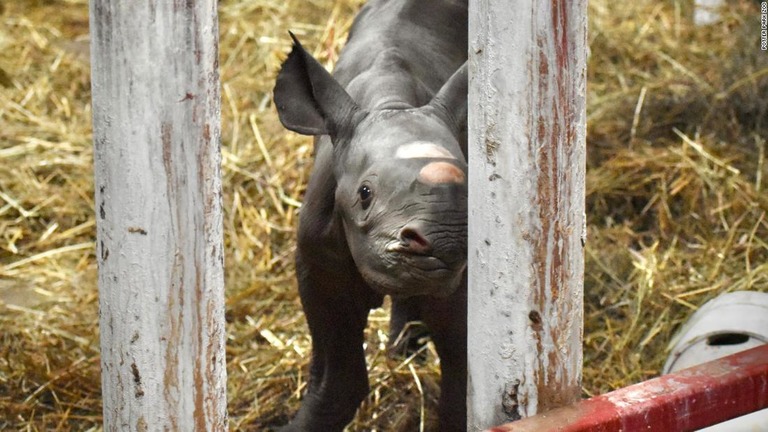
(687, 400)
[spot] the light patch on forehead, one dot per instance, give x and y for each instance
(422, 149)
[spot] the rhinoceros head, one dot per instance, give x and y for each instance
(401, 176)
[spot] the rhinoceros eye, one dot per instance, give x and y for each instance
(366, 195)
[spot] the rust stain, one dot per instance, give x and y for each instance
(208, 169)
(205, 409)
(206, 133)
(552, 133)
(200, 387)
(214, 346)
(175, 317)
(195, 43)
(176, 289)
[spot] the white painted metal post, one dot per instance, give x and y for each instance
(526, 222)
(156, 116)
(706, 12)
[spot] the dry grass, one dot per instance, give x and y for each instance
(677, 143)
(678, 123)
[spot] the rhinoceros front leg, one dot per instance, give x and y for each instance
(446, 319)
(336, 313)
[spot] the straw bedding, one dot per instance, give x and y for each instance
(677, 130)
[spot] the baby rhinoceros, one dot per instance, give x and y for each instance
(385, 211)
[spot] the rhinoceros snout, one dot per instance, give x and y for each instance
(411, 239)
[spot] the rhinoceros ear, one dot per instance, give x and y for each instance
(308, 99)
(451, 101)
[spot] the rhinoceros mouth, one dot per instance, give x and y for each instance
(398, 268)
(429, 277)
(426, 263)
(396, 246)
(424, 260)
(407, 273)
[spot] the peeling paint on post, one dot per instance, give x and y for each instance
(156, 116)
(526, 231)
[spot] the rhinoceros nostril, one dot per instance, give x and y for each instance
(413, 241)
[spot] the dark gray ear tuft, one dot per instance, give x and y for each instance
(451, 101)
(293, 96)
(308, 99)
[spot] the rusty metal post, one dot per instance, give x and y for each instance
(687, 400)
(526, 221)
(156, 118)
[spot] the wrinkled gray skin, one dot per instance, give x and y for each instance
(373, 222)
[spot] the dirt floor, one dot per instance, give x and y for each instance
(677, 130)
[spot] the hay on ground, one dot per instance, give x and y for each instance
(675, 196)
